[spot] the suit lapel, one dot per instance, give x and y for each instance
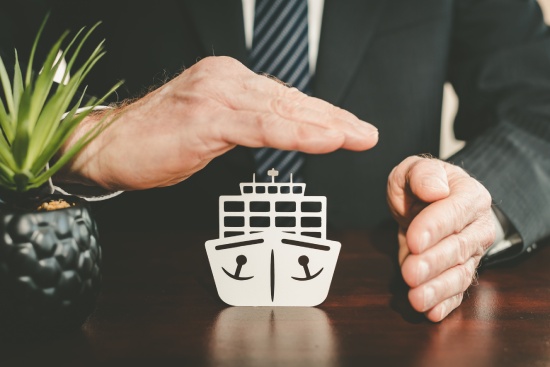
(347, 28)
(220, 27)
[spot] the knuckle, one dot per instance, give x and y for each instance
(198, 79)
(457, 170)
(335, 110)
(404, 169)
(488, 231)
(485, 231)
(442, 260)
(411, 160)
(301, 134)
(484, 198)
(466, 273)
(418, 165)
(395, 175)
(285, 107)
(463, 253)
(491, 234)
(264, 124)
(215, 62)
(477, 194)
(460, 207)
(437, 227)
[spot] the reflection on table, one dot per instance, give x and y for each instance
(159, 306)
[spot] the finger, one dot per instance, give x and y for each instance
(318, 112)
(453, 250)
(427, 179)
(263, 94)
(403, 247)
(252, 129)
(468, 201)
(419, 172)
(276, 88)
(452, 282)
(441, 310)
(296, 107)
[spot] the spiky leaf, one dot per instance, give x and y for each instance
(31, 113)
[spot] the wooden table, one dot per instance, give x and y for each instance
(159, 307)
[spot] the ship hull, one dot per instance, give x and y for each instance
(272, 268)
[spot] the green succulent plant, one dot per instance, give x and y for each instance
(32, 111)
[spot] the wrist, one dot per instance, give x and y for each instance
(85, 168)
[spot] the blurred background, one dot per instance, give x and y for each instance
(449, 144)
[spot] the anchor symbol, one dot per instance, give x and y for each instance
(241, 260)
(304, 260)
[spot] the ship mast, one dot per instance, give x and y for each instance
(273, 173)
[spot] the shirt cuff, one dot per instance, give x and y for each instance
(508, 242)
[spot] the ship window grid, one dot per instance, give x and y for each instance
(233, 221)
(258, 206)
(311, 207)
(317, 232)
(311, 222)
(285, 207)
(262, 221)
(233, 206)
(285, 222)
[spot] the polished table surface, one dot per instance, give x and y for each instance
(159, 306)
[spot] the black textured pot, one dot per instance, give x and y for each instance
(49, 267)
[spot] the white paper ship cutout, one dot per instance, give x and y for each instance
(272, 249)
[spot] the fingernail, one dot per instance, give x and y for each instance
(366, 128)
(422, 272)
(425, 241)
(429, 295)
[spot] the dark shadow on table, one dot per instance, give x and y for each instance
(384, 240)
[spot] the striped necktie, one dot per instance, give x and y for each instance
(280, 49)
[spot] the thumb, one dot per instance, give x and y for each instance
(428, 180)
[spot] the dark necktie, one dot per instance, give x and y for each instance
(280, 49)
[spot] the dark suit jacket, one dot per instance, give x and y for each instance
(384, 60)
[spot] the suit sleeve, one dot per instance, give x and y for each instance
(500, 69)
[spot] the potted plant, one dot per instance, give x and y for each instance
(49, 251)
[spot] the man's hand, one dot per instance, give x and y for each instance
(445, 226)
(210, 108)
